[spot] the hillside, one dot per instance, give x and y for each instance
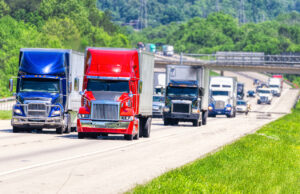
(72, 24)
(167, 11)
(222, 32)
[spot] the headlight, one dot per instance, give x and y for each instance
(166, 109)
(18, 111)
(210, 108)
(84, 116)
(56, 113)
(228, 108)
(195, 111)
(130, 118)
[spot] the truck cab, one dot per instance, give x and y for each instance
(44, 89)
(264, 96)
(117, 93)
(168, 50)
(186, 95)
(223, 92)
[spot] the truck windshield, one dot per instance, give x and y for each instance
(182, 91)
(241, 103)
(158, 99)
(39, 85)
(264, 91)
(107, 85)
(273, 86)
(219, 93)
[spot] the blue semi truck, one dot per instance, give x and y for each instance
(47, 90)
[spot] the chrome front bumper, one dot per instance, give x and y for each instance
(105, 124)
(37, 121)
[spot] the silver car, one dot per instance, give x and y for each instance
(157, 106)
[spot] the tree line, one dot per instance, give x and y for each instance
(167, 11)
(71, 24)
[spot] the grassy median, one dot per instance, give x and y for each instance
(5, 114)
(265, 162)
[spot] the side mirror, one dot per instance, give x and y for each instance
(70, 86)
(140, 86)
(130, 94)
(11, 85)
(76, 84)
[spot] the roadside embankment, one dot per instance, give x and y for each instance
(267, 161)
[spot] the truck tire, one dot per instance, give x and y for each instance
(204, 117)
(196, 123)
(147, 128)
(166, 122)
(59, 130)
(128, 137)
(81, 135)
(16, 129)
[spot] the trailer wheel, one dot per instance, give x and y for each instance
(174, 122)
(147, 128)
(204, 117)
(234, 113)
(81, 135)
(141, 126)
(16, 129)
(128, 137)
(68, 126)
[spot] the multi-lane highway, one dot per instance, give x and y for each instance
(51, 163)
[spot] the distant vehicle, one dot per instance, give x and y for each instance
(186, 95)
(157, 106)
(141, 46)
(168, 50)
(275, 85)
(264, 96)
(242, 106)
(151, 48)
(159, 83)
(255, 82)
(223, 92)
(47, 90)
(251, 93)
(240, 91)
(279, 77)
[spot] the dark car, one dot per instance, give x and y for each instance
(251, 93)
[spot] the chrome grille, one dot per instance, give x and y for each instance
(181, 108)
(37, 110)
(264, 98)
(105, 111)
(220, 105)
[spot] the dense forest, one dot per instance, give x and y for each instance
(72, 24)
(167, 11)
(222, 32)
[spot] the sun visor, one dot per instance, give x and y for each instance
(43, 62)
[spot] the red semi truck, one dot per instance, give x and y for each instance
(117, 93)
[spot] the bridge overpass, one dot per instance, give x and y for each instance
(235, 61)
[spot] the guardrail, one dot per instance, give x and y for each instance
(7, 103)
